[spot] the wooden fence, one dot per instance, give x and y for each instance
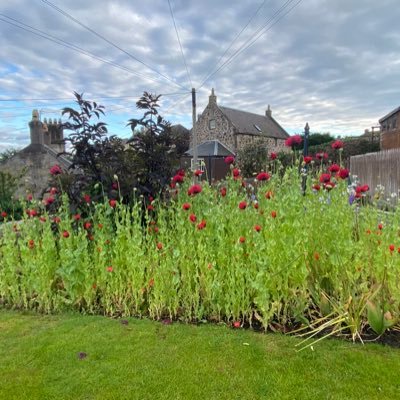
(381, 168)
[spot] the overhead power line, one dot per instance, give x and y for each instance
(61, 42)
(180, 44)
(110, 42)
(97, 97)
(260, 32)
(236, 37)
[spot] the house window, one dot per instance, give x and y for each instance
(211, 124)
(258, 128)
(394, 123)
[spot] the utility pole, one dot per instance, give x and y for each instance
(305, 153)
(194, 133)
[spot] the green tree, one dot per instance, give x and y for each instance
(252, 159)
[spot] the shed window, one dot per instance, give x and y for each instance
(212, 124)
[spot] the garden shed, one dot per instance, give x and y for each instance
(211, 154)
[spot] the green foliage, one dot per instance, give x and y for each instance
(312, 255)
(106, 167)
(316, 139)
(7, 154)
(352, 147)
(252, 159)
(155, 152)
(8, 185)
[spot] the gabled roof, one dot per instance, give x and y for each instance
(390, 114)
(254, 124)
(211, 148)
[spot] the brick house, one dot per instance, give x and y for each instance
(237, 129)
(390, 130)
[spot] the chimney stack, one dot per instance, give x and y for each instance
(213, 98)
(268, 112)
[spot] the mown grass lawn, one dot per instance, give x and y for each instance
(39, 359)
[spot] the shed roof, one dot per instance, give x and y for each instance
(211, 148)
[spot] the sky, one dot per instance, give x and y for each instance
(332, 63)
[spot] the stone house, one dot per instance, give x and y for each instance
(34, 161)
(390, 130)
(237, 129)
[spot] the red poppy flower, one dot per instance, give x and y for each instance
(192, 218)
(32, 213)
(391, 248)
(257, 228)
(236, 172)
(229, 159)
(380, 226)
(316, 256)
(151, 282)
(57, 220)
(307, 159)
(263, 176)
(198, 172)
(344, 173)
(364, 188)
(113, 203)
(294, 140)
(273, 156)
(100, 226)
(201, 225)
(31, 244)
(55, 170)
(42, 219)
(180, 172)
(114, 186)
(29, 197)
(159, 246)
(325, 178)
(242, 239)
(255, 205)
(321, 156)
(223, 191)
(48, 201)
(329, 185)
(186, 206)
(66, 234)
(90, 237)
(77, 217)
(53, 191)
(87, 225)
(156, 230)
(3, 214)
(178, 178)
(398, 250)
(269, 195)
(316, 187)
(273, 214)
(150, 207)
(86, 198)
(242, 205)
(368, 231)
(236, 324)
(94, 286)
(195, 189)
(110, 269)
(334, 168)
(337, 144)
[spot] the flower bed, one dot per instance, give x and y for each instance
(232, 252)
